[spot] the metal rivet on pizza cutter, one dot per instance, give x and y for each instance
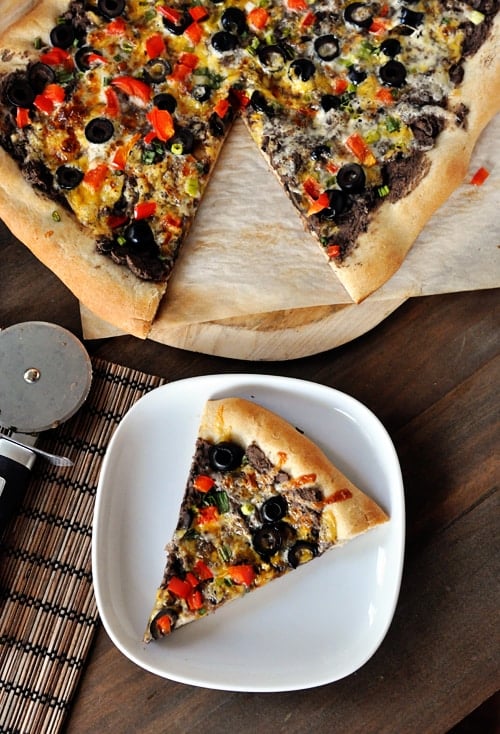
(45, 376)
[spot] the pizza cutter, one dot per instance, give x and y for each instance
(45, 376)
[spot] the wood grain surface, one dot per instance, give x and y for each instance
(430, 372)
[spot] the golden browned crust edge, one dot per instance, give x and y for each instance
(245, 421)
(395, 227)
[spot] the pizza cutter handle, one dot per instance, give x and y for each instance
(15, 470)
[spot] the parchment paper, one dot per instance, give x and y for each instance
(244, 204)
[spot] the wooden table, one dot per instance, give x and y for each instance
(430, 372)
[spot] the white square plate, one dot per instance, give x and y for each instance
(313, 626)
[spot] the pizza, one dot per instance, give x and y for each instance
(113, 114)
(261, 499)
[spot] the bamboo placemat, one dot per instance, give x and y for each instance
(48, 613)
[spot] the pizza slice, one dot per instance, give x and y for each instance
(368, 114)
(112, 116)
(260, 500)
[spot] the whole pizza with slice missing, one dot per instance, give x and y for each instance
(261, 499)
(113, 113)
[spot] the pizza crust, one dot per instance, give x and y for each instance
(395, 227)
(246, 422)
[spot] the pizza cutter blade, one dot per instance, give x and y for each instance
(45, 376)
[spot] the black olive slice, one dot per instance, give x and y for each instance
(223, 41)
(320, 152)
(20, 92)
(267, 540)
(393, 73)
(155, 626)
(201, 92)
(351, 177)
(62, 35)
(272, 57)
(411, 18)
(327, 47)
(338, 204)
(234, 20)
(165, 101)
(356, 76)
(225, 456)
(274, 508)
(456, 73)
(182, 142)
(302, 552)
(99, 130)
(177, 27)
(39, 75)
(302, 69)
(330, 102)
(139, 235)
(260, 103)
(157, 70)
(83, 56)
(216, 125)
(390, 47)
(68, 177)
(358, 14)
(110, 8)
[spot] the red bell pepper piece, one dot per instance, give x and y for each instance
(202, 571)
(22, 117)
(296, 4)
(112, 103)
(194, 32)
(192, 580)
(162, 123)
(333, 251)
(311, 187)
(155, 46)
(258, 18)
(190, 60)
(339, 85)
(195, 601)
(207, 515)
(198, 12)
(384, 95)
(116, 27)
(144, 209)
(357, 145)
(243, 573)
(44, 104)
(480, 176)
(221, 108)
(164, 624)
(171, 14)
(133, 87)
(322, 202)
(203, 483)
(308, 19)
(179, 587)
(95, 177)
(57, 57)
